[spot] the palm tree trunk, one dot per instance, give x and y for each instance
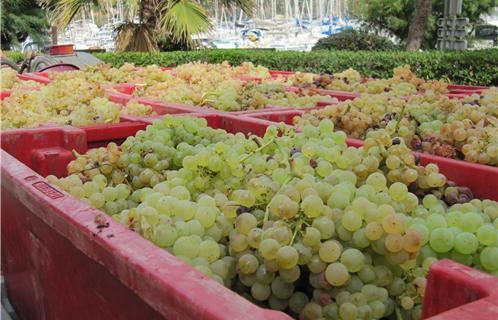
(419, 24)
(148, 13)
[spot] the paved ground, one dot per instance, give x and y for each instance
(7, 310)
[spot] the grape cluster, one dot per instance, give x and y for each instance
(460, 129)
(74, 102)
(9, 78)
(11, 82)
(218, 86)
(295, 221)
(229, 93)
(402, 83)
(105, 74)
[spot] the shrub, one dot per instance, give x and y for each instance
(14, 56)
(354, 40)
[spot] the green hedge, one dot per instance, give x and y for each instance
(14, 56)
(468, 67)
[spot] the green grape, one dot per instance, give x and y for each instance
(260, 291)
(268, 248)
(165, 235)
(206, 216)
(348, 311)
(471, 222)
(466, 243)
(489, 258)
(264, 276)
(184, 246)
(97, 200)
(367, 274)
(287, 257)
(290, 275)
(277, 304)
(282, 289)
(325, 226)
(298, 301)
(377, 181)
(359, 240)
(436, 221)
(487, 235)
(312, 206)
(245, 222)
(330, 251)
(442, 240)
(353, 259)
(312, 237)
(244, 198)
(282, 206)
(351, 221)
(378, 309)
(339, 199)
(210, 250)
(337, 274)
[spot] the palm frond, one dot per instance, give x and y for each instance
(246, 5)
(181, 19)
(61, 12)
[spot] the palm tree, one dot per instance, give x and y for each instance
(176, 19)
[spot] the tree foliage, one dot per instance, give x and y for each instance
(177, 20)
(395, 15)
(354, 40)
(20, 19)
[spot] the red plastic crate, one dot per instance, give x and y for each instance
(47, 150)
(285, 116)
(458, 87)
(101, 135)
(230, 123)
(170, 107)
(340, 95)
(159, 107)
(126, 88)
(455, 291)
(284, 74)
(481, 179)
(4, 94)
(34, 77)
(61, 259)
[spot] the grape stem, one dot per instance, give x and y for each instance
(402, 113)
(399, 316)
(298, 227)
(267, 210)
(257, 150)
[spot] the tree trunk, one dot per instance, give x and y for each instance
(141, 36)
(148, 13)
(418, 25)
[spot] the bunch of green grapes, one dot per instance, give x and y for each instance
(191, 73)
(75, 102)
(105, 74)
(231, 94)
(297, 222)
(402, 83)
(461, 129)
(198, 72)
(9, 78)
(11, 82)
